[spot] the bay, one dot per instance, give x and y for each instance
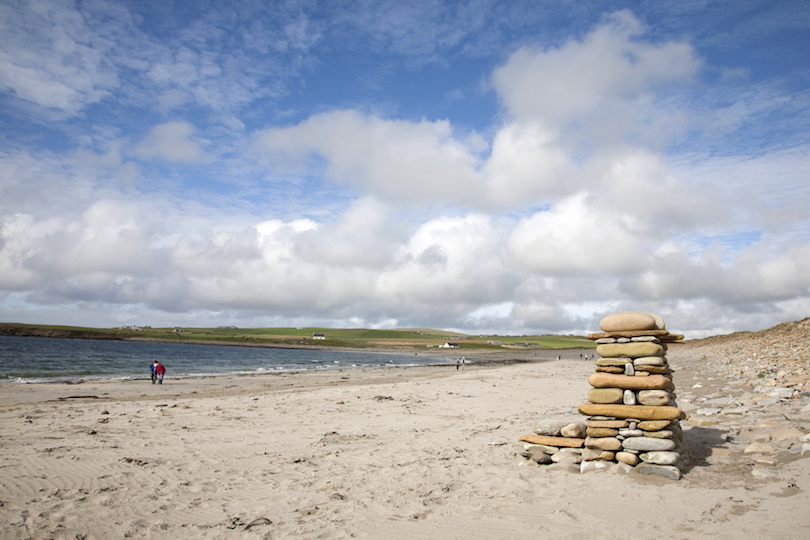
(39, 360)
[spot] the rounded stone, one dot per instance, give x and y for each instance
(649, 361)
(635, 349)
(589, 454)
(603, 443)
(659, 322)
(601, 432)
(653, 425)
(648, 444)
(627, 320)
(605, 395)
(574, 429)
(629, 397)
(627, 457)
(660, 458)
(654, 397)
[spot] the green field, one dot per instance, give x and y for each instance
(333, 337)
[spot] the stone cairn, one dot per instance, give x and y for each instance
(632, 419)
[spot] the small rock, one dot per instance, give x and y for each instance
(759, 448)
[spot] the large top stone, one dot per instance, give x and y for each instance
(636, 349)
(628, 320)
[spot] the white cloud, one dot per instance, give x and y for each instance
(173, 142)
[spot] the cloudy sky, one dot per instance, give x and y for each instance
(481, 166)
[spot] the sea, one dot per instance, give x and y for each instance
(46, 360)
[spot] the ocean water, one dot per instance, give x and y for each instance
(40, 360)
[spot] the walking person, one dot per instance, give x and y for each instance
(160, 370)
(153, 368)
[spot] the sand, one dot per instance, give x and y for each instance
(417, 453)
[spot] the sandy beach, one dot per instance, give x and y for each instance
(427, 452)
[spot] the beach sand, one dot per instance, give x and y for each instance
(423, 453)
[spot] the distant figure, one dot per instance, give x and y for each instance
(160, 370)
(463, 361)
(458, 363)
(153, 368)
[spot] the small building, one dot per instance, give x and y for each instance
(318, 336)
(449, 345)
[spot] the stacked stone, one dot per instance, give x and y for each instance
(556, 441)
(632, 414)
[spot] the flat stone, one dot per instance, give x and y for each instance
(550, 450)
(640, 412)
(609, 380)
(660, 370)
(702, 422)
(660, 458)
(631, 433)
(627, 457)
(627, 320)
(708, 411)
(649, 361)
(653, 425)
(786, 433)
(610, 369)
(636, 349)
(668, 471)
(629, 397)
(654, 397)
(593, 466)
(567, 457)
(603, 443)
(604, 340)
(553, 441)
(644, 338)
(662, 434)
(616, 424)
(616, 362)
(648, 444)
(601, 432)
(574, 430)
(759, 448)
(605, 395)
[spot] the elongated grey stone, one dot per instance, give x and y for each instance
(668, 471)
(648, 444)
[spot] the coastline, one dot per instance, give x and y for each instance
(400, 452)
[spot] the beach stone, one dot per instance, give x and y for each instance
(574, 429)
(616, 424)
(659, 322)
(623, 340)
(653, 425)
(603, 443)
(668, 471)
(660, 458)
(631, 433)
(629, 397)
(627, 320)
(654, 397)
(643, 338)
(609, 369)
(648, 444)
(702, 422)
(553, 441)
(640, 412)
(786, 433)
(662, 434)
(629, 369)
(566, 457)
(537, 455)
(636, 349)
(605, 395)
(649, 361)
(609, 380)
(601, 432)
(616, 362)
(659, 370)
(589, 454)
(604, 340)
(627, 457)
(759, 448)
(593, 466)
(550, 426)
(550, 450)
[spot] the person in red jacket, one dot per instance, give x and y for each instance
(160, 370)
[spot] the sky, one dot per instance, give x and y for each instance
(518, 167)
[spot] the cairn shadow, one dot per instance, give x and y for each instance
(701, 441)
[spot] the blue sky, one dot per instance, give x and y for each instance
(507, 167)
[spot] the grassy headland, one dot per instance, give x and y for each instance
(356, 338)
